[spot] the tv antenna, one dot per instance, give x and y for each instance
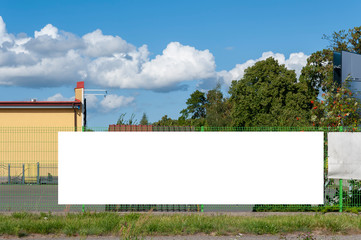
(97, 92)
(93, 92)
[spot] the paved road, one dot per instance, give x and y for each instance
(202, 237)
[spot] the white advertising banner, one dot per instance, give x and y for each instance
(344, 155)
(190, 168)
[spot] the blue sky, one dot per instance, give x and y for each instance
(151, 55)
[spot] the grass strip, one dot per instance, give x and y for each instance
(136, 224)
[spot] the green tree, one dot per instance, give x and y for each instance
(166, 121)
(318, 73)
(218, 108)
(335, 108)
(196, 106)
(144, 120)
(269, 95)
(339, 107)
(345, 40)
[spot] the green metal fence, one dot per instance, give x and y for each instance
(29, 174)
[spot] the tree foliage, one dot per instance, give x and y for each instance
(318, 72)
(196, 106)
(144, 120)
(166, 121)
(345, 40)
(218, 108)
(339, 107)
(269, 95)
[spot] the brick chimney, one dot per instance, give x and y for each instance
(79, 96)
(79, 91)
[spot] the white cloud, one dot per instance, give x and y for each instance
(99, 45)
(18, 46)
(54, 58)
(177, 63)
(49, 72)
(60, 97)
(113, 102)
(296, 62)
(49, 30)
(4, 36)
(109, 103)
(91, 101)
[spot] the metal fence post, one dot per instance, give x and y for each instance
(37, 173)
(83, 206)
(340, 187)
(340, 195)
(9, 176)
(202, 206)
(23, 180)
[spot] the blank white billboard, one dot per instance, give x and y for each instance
(344, 155)
(190, 168)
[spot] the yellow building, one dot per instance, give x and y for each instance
(29, 134)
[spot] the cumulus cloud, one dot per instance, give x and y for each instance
(113, 102)
(47, 72)
(60, 97)
(99, 45)
(91, 101)
(49, 30)
(4, 36)
(109, 103)
(52, 58)
(179, 63)
(176, 64)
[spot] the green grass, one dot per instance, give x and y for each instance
(134, 224)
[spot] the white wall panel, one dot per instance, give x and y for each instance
(344, 151)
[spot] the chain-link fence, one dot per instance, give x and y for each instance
(29, 174)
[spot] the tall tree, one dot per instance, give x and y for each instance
(217, 108)
(144, 120)
(269, 95)
(317, 75)
(196, 106)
